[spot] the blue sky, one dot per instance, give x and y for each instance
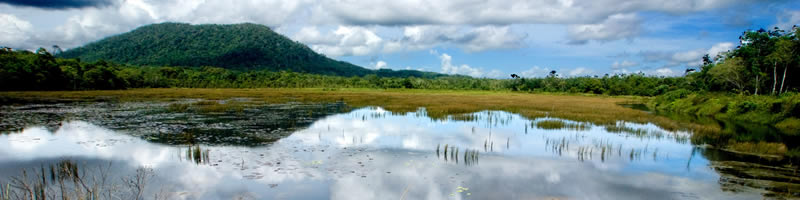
(471, 37)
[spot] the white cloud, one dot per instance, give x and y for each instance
(690, 58)
(470, 25)
(471, 39)
(787, 19)
(380, 65)
(344, 41)
(311, 35)
(91, 24)
(494, 73)
(719, 48)
(615, 27)
(449, 68)
(490, 37)
(14, 31)
(666, 72)
(536, 71)
(580, 71)
(623, 65)
(355, 40)
(498, 12)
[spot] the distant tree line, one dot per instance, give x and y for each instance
(40, 70)
(765, 63)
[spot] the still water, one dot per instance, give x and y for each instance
(370, 153)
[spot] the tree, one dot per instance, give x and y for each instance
(730, 72)
(783, 54)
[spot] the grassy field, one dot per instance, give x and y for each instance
(438, 103)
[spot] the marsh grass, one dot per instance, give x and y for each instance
(551, 124)
(438, 104)
(466, 157)
(67, 179)
(554, 124)
(4, 191)
(198, 155)
(762, 148)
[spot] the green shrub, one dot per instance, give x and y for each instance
(674, 95)
(789, 126)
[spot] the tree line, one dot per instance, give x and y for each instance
(764, 63)
(40, 70)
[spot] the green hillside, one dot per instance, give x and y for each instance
(237, 46)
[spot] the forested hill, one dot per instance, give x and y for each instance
(236, 46)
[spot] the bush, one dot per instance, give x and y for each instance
(745, 106)
(674, 95)
(790, 126)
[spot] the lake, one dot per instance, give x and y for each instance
(157, 150)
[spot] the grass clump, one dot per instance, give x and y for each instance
(761, 148)
(178, 107)
(551, 124)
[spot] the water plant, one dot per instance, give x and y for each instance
(197, 155)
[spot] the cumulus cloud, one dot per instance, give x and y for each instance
(14, 31)
(615, 27)
(499, 12)
(449, 68)
(380, 65)
(719, 48)
(690, 58)
(364, 41)
(471, 39)
(490, 37)
(59, 4)
(481, 25)
(344, 41)
(89, 24)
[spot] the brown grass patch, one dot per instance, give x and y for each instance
(438, 103)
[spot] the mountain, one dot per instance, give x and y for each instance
(235, 46)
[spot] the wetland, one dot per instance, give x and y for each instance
(363, 144)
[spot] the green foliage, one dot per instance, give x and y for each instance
(238, 46)
(730, 73)
(789, 125)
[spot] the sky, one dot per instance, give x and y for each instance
(479, 38)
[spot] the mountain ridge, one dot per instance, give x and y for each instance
(244, 46)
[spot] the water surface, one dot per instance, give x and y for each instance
(370, 153)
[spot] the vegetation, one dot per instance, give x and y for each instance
(729, 85)
(66, 179)
(237, 46)
(438, 104)
(748, 83)
(42, 71)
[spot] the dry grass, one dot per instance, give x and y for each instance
(438, 103)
